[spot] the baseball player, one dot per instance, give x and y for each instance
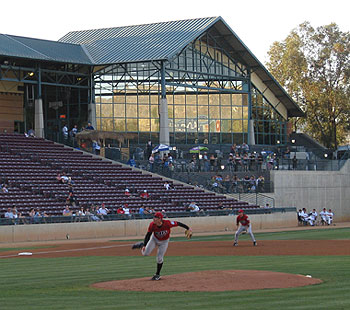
(324, 217)
(245, 226)
(330, 215)
(160, 238)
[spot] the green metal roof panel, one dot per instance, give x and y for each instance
(23, 47)
(139, 43)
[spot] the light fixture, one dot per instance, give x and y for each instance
(200, 156)
(222, 167)
(326, 155)
(293, 141)
(31, 73)
(278, 141)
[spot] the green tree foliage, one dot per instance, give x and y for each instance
(314, 67)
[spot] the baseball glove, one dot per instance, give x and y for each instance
(188, 233)
(137, 245)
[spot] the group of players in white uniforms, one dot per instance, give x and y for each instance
(326, 217)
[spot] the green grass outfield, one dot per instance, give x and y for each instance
(63, 283)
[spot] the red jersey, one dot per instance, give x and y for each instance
(162, 232)
(243, 220)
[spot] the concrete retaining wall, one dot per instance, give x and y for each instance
(136, 228)
(314, 190)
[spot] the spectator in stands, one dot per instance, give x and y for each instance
(96, 147)
(168, 186)
(31, 133)
(149, 148)
(80, 214)
(212, 161)
(4, 188)
(127, 192)
(142, 211)
(94, 213)
(120, 211)
(65, 132)
(126, 210)
(66, 211)
(148, 211)
(151, 160)
(205, 162)
(64, 178)
(102, 212)
(89, 127)
(235, 181)
(245, 148)
(10, 216)
(74, 131)
(193, 207)
(144, 195)
(260, 184)
(71, 200)
(245, 162)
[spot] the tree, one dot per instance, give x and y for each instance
(314, 67)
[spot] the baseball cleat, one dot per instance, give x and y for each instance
(156, 277)
(137, 245)
(254, 243)
(235, 244)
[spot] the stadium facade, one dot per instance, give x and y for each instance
(181, 82)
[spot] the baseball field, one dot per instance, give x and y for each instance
(61, 275)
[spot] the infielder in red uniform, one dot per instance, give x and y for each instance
(245, 226)
(160, 238)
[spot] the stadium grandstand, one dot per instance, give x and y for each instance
(191, 85)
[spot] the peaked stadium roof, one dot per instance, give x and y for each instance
(37, 49)
(147, 42)
(139, 43)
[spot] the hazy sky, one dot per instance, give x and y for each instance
(258, 23)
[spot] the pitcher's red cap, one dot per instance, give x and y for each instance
(159, 215)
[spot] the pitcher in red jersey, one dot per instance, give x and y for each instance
(158, 234)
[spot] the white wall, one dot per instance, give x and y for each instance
(314, 190)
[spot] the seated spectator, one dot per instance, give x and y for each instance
(59, 178)
(144, 194)
(126, 210)
(31, 133)
(10, 215)
(66, 211)
(121, 211)
(4, 188)
(94, 214)
(141, 211)
(64, 178)
(193, 207)
(89, 127)
(167, 185)
(127, 192)
(102, 211)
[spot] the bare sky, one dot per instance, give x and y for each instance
(258, 23)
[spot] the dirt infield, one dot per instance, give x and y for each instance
(187, 248)
(212, 281)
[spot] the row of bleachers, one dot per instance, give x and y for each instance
(30, 165)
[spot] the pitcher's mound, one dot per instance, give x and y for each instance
(212, 281)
